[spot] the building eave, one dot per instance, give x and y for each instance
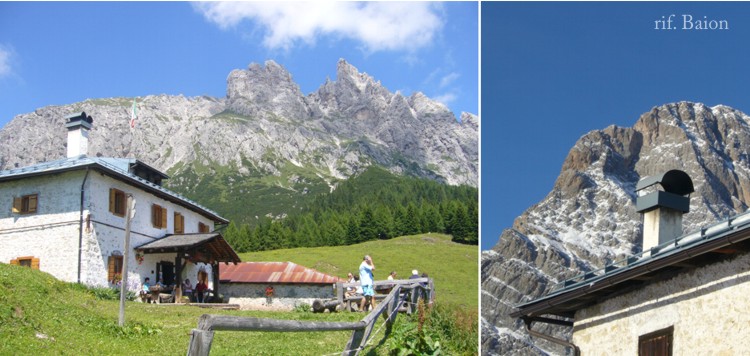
(203, 247)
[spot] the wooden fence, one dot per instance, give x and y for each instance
(343, 302)
(404, 293)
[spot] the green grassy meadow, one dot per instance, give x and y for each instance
(41, 315)
(453, 267)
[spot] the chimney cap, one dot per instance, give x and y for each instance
(81, 119)
(674, 181)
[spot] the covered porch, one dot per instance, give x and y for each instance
(207, 248)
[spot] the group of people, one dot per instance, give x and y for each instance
(366, 287)
(198, 294)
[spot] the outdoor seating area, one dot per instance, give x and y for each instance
(169, 294)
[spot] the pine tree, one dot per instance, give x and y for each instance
(333, 233)
(411, 221)
(384, 222)
(431, 219)
(368, 228)
(352, 230)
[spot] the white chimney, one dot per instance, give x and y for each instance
(78, 126)
(663, 208)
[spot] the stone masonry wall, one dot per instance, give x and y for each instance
(286, 296)
(707, 307)
(52, 233)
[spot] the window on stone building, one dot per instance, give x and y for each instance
(114, 269)
(158, 216)
(179, 223)
(25, 205)
(117, 201)
(203, 228)
(657, 343)
(30, 261)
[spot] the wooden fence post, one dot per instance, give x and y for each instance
(340, 295)
(200, 342)
(352, 347)
(393, 307)
(414, 298)
(432, 290)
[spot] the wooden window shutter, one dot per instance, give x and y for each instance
(158, 216)
(111, 268)
(658, 343)
(14, 262)
(154, 215)
(17, 205)
(112, 192)
(202, 228)
(32, 203)
(179, 223)
(34, 263)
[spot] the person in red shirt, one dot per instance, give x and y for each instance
(200, 289)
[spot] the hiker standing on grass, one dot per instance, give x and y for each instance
(366, 280)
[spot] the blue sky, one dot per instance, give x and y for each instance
(56, 53)
(551, 72)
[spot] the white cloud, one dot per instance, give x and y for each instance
(448, 79)
(446, 99)
(5, 57)
(379, 26)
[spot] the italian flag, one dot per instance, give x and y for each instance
(133, 115)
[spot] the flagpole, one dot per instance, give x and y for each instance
(133, 115)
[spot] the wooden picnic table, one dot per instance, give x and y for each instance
(159, 294)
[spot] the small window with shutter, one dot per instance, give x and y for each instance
(114, 269)
(29, 261)
(117, 201)
(179, 223)
(657, 343)
(203, 228)
(158, 216)
(26, 204)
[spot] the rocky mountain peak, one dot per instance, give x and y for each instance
(347, 74)
(469, 119)
(589, 217)
(261, 90)
(426, 107)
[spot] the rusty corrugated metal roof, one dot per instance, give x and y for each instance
(273, 272)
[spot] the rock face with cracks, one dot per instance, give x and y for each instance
(589, 217)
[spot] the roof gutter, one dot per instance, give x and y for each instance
(80, 223)
(528, 320)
